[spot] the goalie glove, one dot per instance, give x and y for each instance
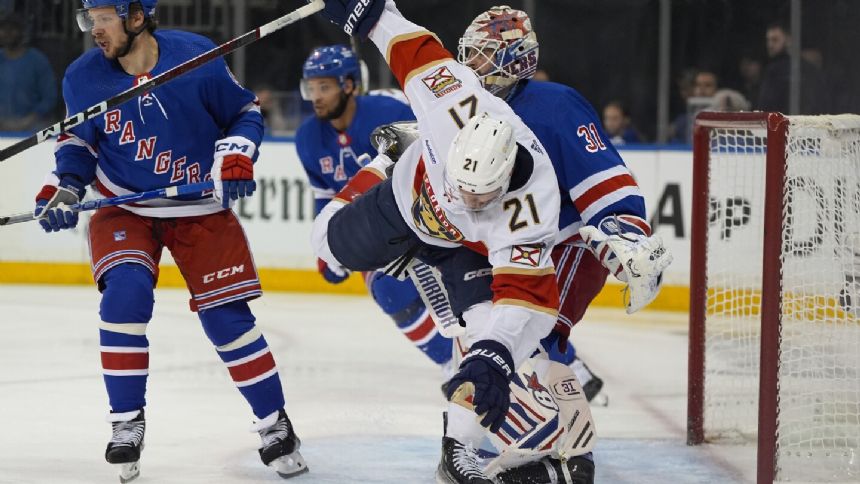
(625, 246)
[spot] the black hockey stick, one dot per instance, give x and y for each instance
(162, 78)
(168, 192)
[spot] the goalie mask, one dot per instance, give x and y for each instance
(480, 163)
(501, 47)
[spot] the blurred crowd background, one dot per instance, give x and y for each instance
(647, 66)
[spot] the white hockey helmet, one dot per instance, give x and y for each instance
(480, 163)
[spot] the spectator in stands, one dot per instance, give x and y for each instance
(616, 122)
(691, 83)
(541, 75)
(729, 100)
(776, 82)
(704, 84)
(273, 113)
(749, 67)
(28, 88)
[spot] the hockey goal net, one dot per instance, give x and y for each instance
(775, 292)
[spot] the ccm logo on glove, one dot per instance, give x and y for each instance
(232, 147)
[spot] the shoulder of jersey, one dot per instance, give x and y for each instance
(381, 101)
(540, 98)
(186, 39)
(90, 64)
(307, 126)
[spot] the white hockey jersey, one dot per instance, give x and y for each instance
(518, 233)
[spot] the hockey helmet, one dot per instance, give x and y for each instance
(501, 47)
(85, 22)
(480, 163)
(337, 61)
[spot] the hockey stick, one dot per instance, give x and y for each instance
(431, 289)
(167, 192)
(162, 78)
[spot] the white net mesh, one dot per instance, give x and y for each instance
(819, 378)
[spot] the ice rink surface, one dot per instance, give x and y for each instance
(364, 401)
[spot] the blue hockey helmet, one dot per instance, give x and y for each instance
(337, 61)
(501, 47)
(85, 22)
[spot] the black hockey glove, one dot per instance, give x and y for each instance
(489, 367)
(355, 17)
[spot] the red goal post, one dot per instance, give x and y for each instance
(774, 355)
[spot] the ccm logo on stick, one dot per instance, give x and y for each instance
(223, 273)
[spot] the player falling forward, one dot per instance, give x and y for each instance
(502, 49)
(200, 125)
(435, 207)
(494, 191)
(333, 145)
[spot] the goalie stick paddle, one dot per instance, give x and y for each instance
(167, 192)
(164, 77)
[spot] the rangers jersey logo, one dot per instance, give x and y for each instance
(442, 82)
(327, 165)
(429, 217)
(540, 393)
(527, 255)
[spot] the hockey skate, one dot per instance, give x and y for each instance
(549, 470)
(459, 465)
(280, 449)
(591, 384)
(126, 443)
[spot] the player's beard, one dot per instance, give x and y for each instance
(338, 109)
(116, 48)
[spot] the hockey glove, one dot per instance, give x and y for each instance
(54, 199)
(333, 275)
(233, 169)
(355, 17)
(485, 375)
(625, 246)
(392, 139)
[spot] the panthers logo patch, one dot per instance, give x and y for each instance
(429, 217)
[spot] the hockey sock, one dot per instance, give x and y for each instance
(244, 350)
(126, 308)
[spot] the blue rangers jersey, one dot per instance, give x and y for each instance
(590, 171)
(330, 157)
(163, 138)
